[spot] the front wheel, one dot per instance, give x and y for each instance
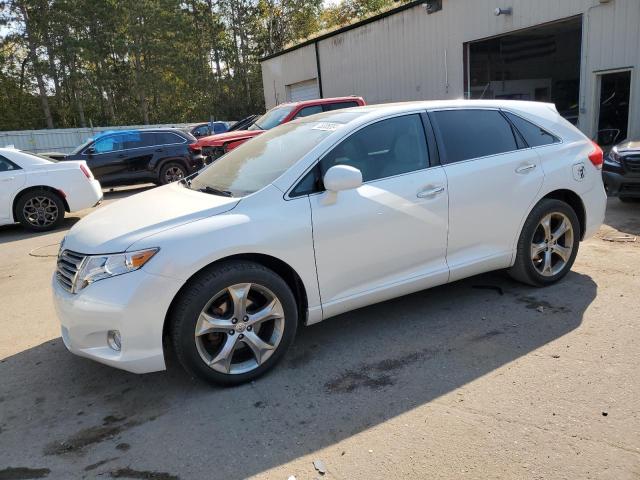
(548, 244)
(233, 323)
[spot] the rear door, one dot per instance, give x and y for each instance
(493, 181)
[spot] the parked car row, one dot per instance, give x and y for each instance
(621, 171)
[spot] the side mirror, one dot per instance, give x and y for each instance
(342, 177)
(90, 151)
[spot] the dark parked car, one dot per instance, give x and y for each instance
(207, 128)
(160, 156)
(621, 171)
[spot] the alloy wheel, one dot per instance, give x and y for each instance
(240, 328)
(552, 244)
(40, 211)
(173, 174)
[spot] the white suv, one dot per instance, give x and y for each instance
(321, 216)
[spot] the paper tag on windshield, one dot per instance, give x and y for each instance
(327, 126)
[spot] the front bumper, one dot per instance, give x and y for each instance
(620, 185)
(135, 304)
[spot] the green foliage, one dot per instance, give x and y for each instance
(67, 63)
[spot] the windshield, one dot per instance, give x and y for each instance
(80, 147)
(272, 118)
(258, 162)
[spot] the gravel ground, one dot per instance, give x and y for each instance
(482, 378)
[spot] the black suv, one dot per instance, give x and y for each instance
(125, 157)
(621, 171)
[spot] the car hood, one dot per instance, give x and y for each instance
(222, 138)
(115, 227)
(629, 146)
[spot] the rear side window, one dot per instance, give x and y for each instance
(466, 134)
(533, 135)
(337, 106)
(167, 138)
(306, 111)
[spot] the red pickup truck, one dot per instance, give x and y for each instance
(215, 146)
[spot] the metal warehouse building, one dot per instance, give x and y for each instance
(582, 55)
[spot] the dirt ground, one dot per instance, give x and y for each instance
(483, 378)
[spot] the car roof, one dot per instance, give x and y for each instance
(371, 112)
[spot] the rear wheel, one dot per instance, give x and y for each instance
(40, 210)
(548, 244)
(172, 172)
(233, 323)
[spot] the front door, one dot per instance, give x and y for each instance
(387, 237)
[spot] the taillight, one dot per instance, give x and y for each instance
(86, 171)
(194, 147)
(597, 156)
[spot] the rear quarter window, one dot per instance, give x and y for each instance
(337, 106)
(532, 134)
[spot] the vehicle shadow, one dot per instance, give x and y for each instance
(341, 377)
(624, 217)
(116, 193)
(16, 232)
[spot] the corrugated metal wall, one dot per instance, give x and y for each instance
(63, 139)
(412, 55)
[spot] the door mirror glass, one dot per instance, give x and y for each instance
(342, 177)
(90, 151)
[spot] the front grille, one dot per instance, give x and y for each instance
(630, 188)
(68, 264)
(632, 163)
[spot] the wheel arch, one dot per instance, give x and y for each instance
(283, 269)
(33, 188)
(572, 199)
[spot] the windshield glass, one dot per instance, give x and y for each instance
(272, 118)
(258, 162)
(79, 148)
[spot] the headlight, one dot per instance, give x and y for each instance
(613, 158)
(99, 267)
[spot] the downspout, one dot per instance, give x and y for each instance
(318, 69)
(584, 74)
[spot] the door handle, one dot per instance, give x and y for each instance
(8, 179)
(159, 150)
(430, 192)
(526, 168)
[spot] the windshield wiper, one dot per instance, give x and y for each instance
(215, 191)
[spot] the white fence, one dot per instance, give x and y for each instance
(62, 140)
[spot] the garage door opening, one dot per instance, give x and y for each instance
(541, 63)
(307, 90)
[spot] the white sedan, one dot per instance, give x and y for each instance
(37, 192)
(320, 216)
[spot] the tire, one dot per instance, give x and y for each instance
(551, 260)
(40, 210)
(200, 346)
(171, 172)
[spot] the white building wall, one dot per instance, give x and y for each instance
(412, 55)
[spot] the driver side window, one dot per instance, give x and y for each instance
(108, 144)
(384, 149)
